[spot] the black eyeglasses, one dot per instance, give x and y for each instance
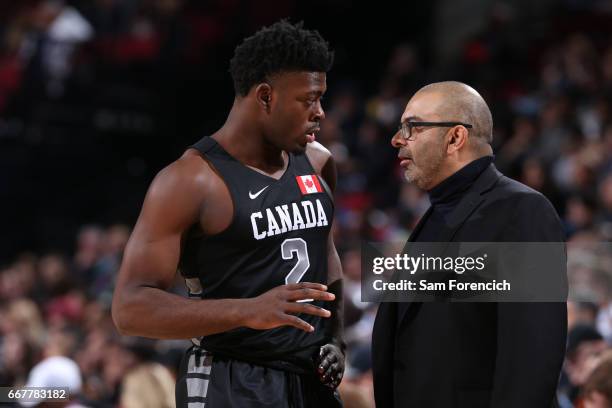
(405, 128)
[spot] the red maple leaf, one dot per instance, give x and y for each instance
(308, 183)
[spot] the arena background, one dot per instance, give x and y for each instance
(97, 96)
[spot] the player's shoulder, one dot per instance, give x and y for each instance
(190, 175)
(322, 162)
(318, 155)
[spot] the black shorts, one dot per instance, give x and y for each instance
(205, 381)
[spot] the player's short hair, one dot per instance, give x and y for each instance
(281, 47)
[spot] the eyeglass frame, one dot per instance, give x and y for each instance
(412, 124)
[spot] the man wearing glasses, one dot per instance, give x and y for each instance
(467, 354)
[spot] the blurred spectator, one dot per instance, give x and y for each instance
(88, 250)
(357, 385)
(584, 347)
(148, 385)
(604, 217)
(57, 369)
(23, 317)
(579, 214)
(581, 313)
(54, 275)
(354, 396)
(102, 281)
(17, 356)
(598, 387)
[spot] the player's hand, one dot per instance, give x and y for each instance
(279, 306)
(330, 365)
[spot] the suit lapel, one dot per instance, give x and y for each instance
(472, 199)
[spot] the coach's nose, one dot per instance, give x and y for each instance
(398, 140)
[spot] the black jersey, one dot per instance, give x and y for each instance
(278, 235)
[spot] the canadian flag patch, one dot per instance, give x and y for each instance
(309, 184)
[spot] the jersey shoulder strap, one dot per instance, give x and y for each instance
(209, 146)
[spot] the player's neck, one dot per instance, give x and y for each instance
(239, 138)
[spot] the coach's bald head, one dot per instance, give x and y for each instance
(462, 103)
(434, 152)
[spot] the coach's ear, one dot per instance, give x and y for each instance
(263, 95)
(457, 138)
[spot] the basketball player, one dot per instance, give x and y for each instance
(245, 215)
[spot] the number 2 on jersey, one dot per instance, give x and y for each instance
(290, 248)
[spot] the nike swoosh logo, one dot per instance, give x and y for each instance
(254, 196)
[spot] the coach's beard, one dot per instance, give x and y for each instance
(423, 176)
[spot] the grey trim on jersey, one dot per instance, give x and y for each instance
(194, 290)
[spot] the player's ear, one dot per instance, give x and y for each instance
(263, 95)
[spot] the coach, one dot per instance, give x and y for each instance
(460, 355)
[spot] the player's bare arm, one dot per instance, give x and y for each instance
(185, 193)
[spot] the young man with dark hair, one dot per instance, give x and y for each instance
(245, 214)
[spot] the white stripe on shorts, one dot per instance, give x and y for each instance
(198, 387)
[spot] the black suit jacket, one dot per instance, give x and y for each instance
(473, 355)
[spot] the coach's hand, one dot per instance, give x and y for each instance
(278, 306)
(330, 366)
